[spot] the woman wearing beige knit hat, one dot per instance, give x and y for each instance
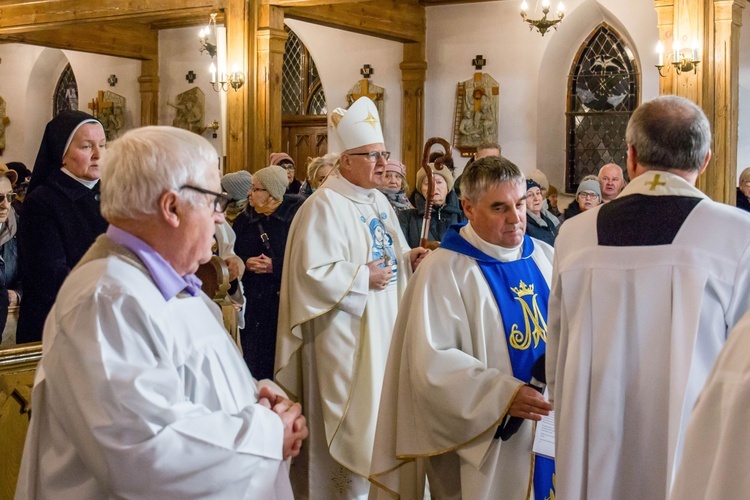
(262, 231)
(446, 208)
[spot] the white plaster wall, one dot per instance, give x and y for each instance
(179, 53)
(339, 56)
(743, 142)
(28, 76)
(532, 70)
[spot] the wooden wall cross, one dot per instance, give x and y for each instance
(98, 104)
(364, 85)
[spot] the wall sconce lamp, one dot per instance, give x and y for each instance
(543, 24)
(214, 126)
(683, 60)
(235, 79)
(207, 37)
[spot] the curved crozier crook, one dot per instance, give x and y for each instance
(431, 182)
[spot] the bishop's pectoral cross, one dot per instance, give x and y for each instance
(99, 104)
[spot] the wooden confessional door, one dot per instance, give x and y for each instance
(304, 137)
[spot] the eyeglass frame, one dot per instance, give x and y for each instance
(9, 197)
(374, 156)
(588, 195)
(221, 202)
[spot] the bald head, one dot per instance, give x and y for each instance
(611, 181)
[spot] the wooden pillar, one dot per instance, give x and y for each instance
(270, 39)
(241, 21)
(721, 86)
(149, 83)
(715, 86)
(665, 24)
(413, 71)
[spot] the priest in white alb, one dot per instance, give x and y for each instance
(140, 392)
(644, 292)
(717, 442)
(345, 271)
(460, 395)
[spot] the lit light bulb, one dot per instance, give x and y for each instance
(660, 52)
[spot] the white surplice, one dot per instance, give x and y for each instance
(334, 332)
(634, 332)
(138, 397)
(449, 384)
(717, 443)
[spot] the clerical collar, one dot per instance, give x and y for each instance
(661, 183)
(496, 251)
(89, 184)
(166, 279)
(357, 189)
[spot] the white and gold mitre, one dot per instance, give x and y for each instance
(359, 125)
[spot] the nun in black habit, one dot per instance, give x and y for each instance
(61, 217)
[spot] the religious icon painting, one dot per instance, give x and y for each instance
(477, 113)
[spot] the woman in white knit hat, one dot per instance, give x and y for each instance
(262, 231)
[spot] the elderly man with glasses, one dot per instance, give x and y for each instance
(345, 270)
(140, 392)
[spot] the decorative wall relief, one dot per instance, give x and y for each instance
(477, 105)
(191, 108)
(109, 108)
(4, 122)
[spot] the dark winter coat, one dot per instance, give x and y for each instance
(258, 338)
(441, 219)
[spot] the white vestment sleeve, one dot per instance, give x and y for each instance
(113, 382)
(355, 301)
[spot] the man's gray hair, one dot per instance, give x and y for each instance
(488, 145)
(486, 173)
(146, 162)
(670, 133)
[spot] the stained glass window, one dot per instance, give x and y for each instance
(66, 92)
(603, 93)
(301, 90)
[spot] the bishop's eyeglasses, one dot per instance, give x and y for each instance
(374, 156)
(221, 202)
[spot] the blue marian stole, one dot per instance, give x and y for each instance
(522, 294)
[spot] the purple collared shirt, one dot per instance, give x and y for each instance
(165, 277)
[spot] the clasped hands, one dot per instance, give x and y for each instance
(260, 264)
(295, 425)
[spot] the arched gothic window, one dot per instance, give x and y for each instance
(66, 92)
(603, 92)
(301, 91)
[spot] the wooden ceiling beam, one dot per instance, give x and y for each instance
(130, 40)
(309, 3)
(36, 15)
(399, 20)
